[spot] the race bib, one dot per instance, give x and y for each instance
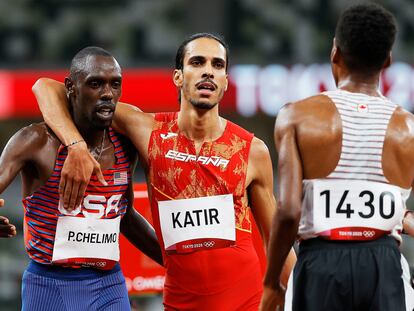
(87, 242)
(195, 224)
(355, 210)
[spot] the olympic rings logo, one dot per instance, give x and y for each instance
(209, 244)
(368, 234)
(100, 264)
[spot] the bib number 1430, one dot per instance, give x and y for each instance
(345, 204)
(385, 202)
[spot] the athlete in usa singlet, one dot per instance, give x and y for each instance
(106, 204)
(202, 219)
(74, 255)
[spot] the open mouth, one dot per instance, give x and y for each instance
(105, 112)
(206, 88)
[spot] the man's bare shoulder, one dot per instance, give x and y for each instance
(398, 150)
(258, 150)
(318, 106)
(401, 125)
(310, 104)
(36, 133)
(32, 140)
(260, 163)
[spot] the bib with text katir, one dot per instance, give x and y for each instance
(189, 225)
(87, 242)
(355, 210)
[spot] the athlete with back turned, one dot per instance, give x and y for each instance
(345, 171)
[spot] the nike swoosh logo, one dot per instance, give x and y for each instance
(168, 135)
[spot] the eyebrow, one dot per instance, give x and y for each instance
(219, 59)
(215, 59)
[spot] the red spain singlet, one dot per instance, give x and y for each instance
(186, 193)
(42, 211)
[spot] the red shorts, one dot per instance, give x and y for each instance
(225, 279)
(237, 298)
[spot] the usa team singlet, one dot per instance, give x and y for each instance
(87, 236)
(74, 256)
(202, 219)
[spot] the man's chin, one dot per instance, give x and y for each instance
(101, 125)
(206, 105)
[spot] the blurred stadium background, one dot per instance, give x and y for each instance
(279, 52)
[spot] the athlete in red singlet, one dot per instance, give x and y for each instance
(219, 169)
(205, 174)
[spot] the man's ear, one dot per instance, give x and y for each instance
(178, 78)
(335, 53)
(227, 83)
(69, 86)
(388, 61)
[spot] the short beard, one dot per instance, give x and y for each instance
(99, 124)
(201, 105)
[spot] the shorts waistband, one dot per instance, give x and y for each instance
(319, 243)
(59, 272)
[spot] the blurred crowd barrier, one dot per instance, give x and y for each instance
(252, 89)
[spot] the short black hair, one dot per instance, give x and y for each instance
(179, 57)
(77, 65)
(365, 34)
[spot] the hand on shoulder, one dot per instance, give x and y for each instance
(76, 173)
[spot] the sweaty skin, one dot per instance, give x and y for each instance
(198, 119)
(308, 139)
(32, 151)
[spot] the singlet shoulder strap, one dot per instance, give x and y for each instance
(239, 131)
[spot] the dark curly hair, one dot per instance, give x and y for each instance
(365, 34)
(179, 57)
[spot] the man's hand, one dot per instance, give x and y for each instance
(408, 223)
(272, 299)
(76, 173)
(7, 230)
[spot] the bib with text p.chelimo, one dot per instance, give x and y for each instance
(194, 224)
(87, 241)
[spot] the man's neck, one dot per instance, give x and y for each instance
(359, 83)
(92, 136)
(200, 125)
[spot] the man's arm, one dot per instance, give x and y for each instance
(17, 152)
(262, 199)
(134, 226)
(53, 102)
(139, 232)
(408, 223)
(136, 125)
(80, 164)
(286, 220)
